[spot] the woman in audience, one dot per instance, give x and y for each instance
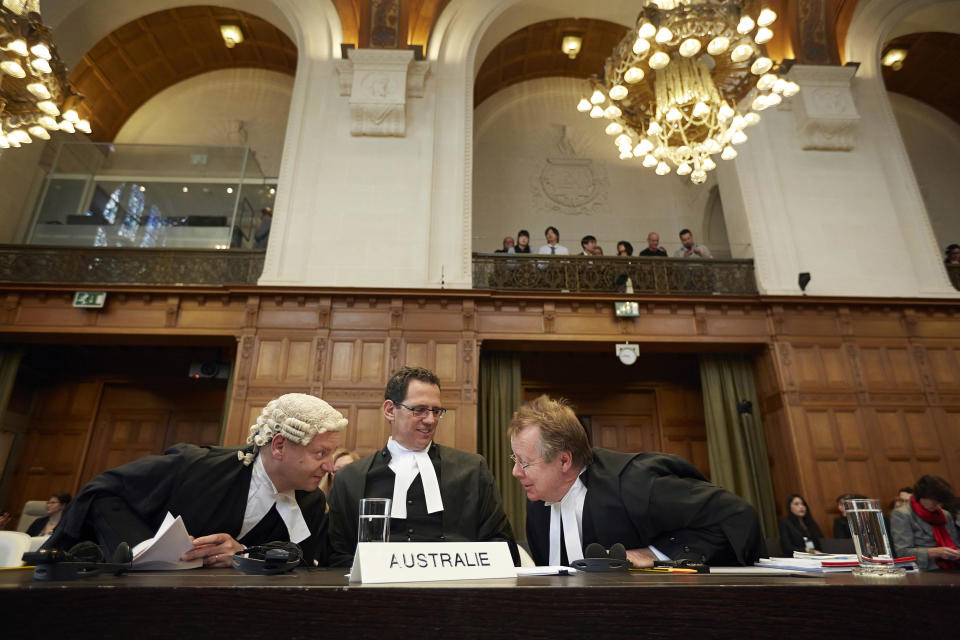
(952, 254)
(798, 530)
(624, 249)
(341, 458)
(523, 242)
(923, 529)
(44, 526)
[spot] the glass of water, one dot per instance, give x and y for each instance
(870, 539)
(374, 523)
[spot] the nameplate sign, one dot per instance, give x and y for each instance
(379, 562)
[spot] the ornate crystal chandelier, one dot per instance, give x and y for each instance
(674, 87)
(35, 97)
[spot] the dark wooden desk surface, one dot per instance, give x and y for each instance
(314, 603)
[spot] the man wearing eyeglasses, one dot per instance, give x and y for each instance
(438, 493)
(657, 505)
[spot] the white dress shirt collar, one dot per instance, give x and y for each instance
(568, 513)
(406, 464)
(263, 495)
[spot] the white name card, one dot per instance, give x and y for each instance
(379, 562)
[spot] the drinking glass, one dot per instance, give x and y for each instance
(374, 525)
(869, 534)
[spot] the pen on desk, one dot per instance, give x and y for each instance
(663, 570)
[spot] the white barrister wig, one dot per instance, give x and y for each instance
(297, 417)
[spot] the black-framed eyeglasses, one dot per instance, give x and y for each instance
(523, 465)
(421, 412)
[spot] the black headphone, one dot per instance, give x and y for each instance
(269, 559)
(84, 560)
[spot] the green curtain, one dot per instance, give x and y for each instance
(736, 443)
(501, 393)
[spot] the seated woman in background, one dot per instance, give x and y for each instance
(624, 248)
(798, 530)
(840, 527)
(44, 526)
(341, 458)
(923, 529)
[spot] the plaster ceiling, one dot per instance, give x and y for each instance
(145, 56)
(928, 73)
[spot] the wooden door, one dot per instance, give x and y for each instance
(133, 422)
(621, 420)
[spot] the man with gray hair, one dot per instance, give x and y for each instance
(658, 506)
(228, 497)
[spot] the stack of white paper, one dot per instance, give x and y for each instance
(162, 552)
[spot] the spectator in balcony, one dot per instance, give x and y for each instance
(507, 246)
(654, 250)
(924, 529)
(953, 254)
(262, 234)
(624, 249)
(691, 249)
(589, 246)
(523, 242)
(553, 246)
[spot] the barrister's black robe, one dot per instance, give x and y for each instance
(206, 486)
(656, 499)
(472, 509)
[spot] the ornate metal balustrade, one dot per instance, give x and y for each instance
(953, 270)
(583, 273)
(102, 265)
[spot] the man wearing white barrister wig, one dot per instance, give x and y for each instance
(438, 493)
(228, 497)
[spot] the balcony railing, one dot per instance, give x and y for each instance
(103, 265)
(595, 274)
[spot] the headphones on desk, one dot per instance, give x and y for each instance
(268, 559)
(84, 560)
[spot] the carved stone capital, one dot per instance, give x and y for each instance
(379, 81)
(825, 113)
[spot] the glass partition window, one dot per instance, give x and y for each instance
(152, 196)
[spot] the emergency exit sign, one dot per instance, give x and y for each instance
(89, 299)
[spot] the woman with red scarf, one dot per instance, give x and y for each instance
(922, 528)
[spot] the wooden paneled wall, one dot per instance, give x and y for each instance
(856, 395)
(344, 348)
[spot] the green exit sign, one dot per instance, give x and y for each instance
(89, 299)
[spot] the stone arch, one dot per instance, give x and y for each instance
(873, 24)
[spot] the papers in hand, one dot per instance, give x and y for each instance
(162, 552)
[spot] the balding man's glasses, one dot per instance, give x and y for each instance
(523, 465)
(421, 412)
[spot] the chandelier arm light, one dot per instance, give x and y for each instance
(34, 90)
(673, 87)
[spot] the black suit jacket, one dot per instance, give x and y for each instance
(656, 499)
(472, 509)
(206, 486)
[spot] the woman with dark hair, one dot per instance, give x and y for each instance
(523, 242)
(923, 529)
(44, 526)
(952, 254)
(624, 249)
(798, 530)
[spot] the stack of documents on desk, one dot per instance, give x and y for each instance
(826, 562)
